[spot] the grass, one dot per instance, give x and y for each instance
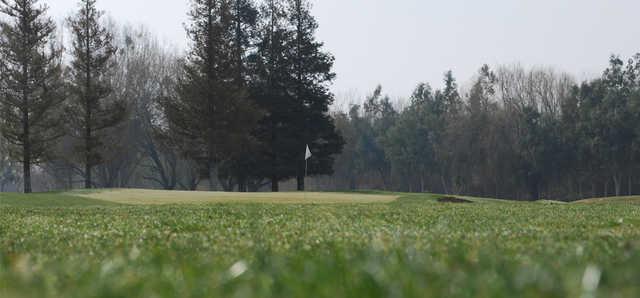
(66, 245)
(612, 200)
(159, 197)
(48, 200)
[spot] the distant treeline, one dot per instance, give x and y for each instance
(110, 106)
(515, 134)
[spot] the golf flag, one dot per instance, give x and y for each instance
(308, 154)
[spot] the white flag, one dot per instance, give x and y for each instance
(307, 154)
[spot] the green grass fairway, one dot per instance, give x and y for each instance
(158, 197)
(123, 244)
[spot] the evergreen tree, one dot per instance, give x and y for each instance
(293, 74)
(379, 117)
(90, 110)
(271, 71)
(30, 83)
(312, 75)
(452, 99)
(239, 169)
(408, 144)
(212, 110)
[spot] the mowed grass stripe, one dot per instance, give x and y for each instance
(162, 197)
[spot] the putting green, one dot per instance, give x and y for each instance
(162, 197)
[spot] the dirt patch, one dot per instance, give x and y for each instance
(454, 200)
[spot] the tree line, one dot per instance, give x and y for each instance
(97, 104)
(514, 133)
(112, 107)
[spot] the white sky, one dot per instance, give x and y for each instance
(398, 43)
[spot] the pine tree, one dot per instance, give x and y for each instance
(293, 74)
(453, 101)
(30, 83)
(245, 18)
(90, 110)
(270, 71)
(212, 110)
(312, 75)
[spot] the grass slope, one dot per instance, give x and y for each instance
(410, 247)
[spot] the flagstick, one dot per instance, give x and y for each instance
(307, 155)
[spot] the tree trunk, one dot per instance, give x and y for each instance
(353, 185)
(300, 182)
(534, 189)
(213, 176)
(535, 193)
(580, 195)
(254, 185)
(275, 187)
(617, 184)
(27, 172)
(174, 175)
(88, 111)
(87, 181)
(26, 154)
(444, 184)
(385, 179)
(242, 183)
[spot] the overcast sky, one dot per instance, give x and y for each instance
(398, 43)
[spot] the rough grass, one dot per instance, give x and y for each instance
(159, 197)
(410, 247)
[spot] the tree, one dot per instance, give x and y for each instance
(238, 168)
(311, 76)
(408, 143)
(30, 81)
(9, 170)
(445, 124)
(379, 116)
(211, 110)
(346, 173)
(270, 70)
(290, 83)
(90, 109)
(478, 133)
(145, 71)
(532, 100)
(620, 82)
(607, 117)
